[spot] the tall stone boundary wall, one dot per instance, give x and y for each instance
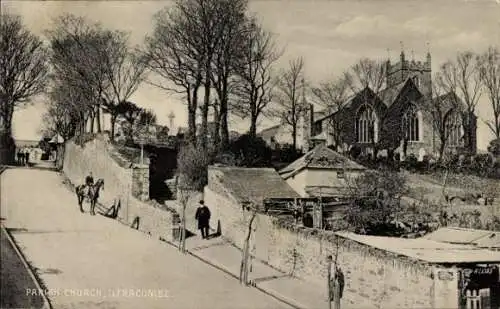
(124, 183)
(374, 278)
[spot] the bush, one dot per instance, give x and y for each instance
(192, 165)
(376, 197)
(251, 152)
(286, 153)
(494, 147)
(355, 152)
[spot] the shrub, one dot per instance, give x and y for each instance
(494, 147)
(251, 152)
(355, 151)
(287, 153)
(376, 197)
(192, 165)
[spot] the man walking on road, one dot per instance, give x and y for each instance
(203, 217)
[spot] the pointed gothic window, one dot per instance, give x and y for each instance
(416, 81)
(366, 125)
(411, 124)
(454, 129)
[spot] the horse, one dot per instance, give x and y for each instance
(92, 196)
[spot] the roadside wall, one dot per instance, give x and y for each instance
(124, 183)
(374, 278)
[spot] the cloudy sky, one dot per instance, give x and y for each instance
(330, 35)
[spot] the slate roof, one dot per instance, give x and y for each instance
(455, 235)
(320, 157)
(427, 250)
(254, 184)
(389, 95)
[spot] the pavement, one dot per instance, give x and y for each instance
(223, 255)
(88, 261)
(16, 278)
(294, 291)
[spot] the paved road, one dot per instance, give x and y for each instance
(15, 281)
(93, 262)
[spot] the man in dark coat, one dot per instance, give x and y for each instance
(89, 181)
(203, 217)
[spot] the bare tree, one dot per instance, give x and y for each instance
(230, 37)
(462, 77)
(333, 94)
(290, 99)
(255, 84)
(490, 77)
(63, 113)
(76, 59)
(442, 107)
(23, 70)
(173, 52)
(124, 72)
(246, 256)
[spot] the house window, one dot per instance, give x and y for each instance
(454, 128)
(317, 128)
(411, 124)
(340, 174)
(366, 125)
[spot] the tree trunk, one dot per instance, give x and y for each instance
(204, 112)
(92, 122)
(294, 136)
(253, 126)
(192, 108)
(246, 249)
(224, 129)
(183, 232)
(99, 118)
(442, 146)
(113, 122)
(216, 131)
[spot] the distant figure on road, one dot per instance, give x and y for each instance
(27, 156)
(203, 217)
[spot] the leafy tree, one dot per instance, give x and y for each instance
(376, 198)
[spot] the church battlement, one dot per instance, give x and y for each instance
(404, 68)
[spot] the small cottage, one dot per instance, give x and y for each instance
(321, 172)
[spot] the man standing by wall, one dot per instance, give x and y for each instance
(203, 217)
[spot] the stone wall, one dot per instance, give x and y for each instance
(374, 278)
(124, 183)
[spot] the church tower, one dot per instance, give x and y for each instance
(419, 71)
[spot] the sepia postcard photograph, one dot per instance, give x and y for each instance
(250, 154)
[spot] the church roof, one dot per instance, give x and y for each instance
(320, 157)
(387, 95)
(390, 94)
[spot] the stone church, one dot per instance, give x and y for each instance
(397, 119)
